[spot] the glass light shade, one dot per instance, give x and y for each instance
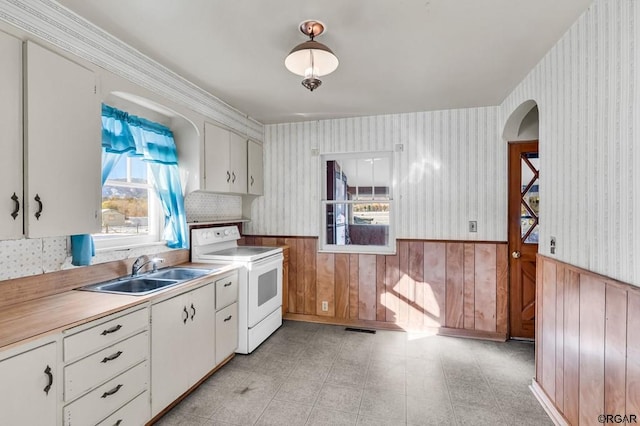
(300, 59)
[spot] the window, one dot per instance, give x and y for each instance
(129, 205)
(139, 159)
(357, 203)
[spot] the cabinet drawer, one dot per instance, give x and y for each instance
(226, 332)
(226, 291)
(107, 398)
(135, 413)
(104, 334)
(95, 369)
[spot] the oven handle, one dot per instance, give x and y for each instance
(276, 258)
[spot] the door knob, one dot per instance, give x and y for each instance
(515, 255)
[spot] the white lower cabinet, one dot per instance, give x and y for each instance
(182, 344)
(226, 316)
(226, 332)
(29, 387)
(106, 367)
(109, 397)
(134, 413)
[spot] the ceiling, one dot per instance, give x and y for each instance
(395, 55)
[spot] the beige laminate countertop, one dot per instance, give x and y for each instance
(36, 318)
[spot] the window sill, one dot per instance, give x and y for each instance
(126, 247)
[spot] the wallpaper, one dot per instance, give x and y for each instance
(587, 92)
(449, 168)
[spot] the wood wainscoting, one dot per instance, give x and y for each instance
(460, 288)
(588, 345)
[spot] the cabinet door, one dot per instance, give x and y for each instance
(169, 352)
(11, 199)
(238, 161)
(200, 348)
(226, 332)
(25, 395)
(216, 159)
(255, 184)
(62, 146)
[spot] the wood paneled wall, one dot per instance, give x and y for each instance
(588, 349)
(460, 287)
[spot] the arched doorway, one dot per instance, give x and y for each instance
(521, 133)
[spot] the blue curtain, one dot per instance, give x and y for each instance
(125, 134)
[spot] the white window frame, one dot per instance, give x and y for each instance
(154, 237)
(390, 247)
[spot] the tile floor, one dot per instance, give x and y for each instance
(311, 374)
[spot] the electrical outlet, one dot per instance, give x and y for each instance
(473, 226)
(325, 306)
(552, 245)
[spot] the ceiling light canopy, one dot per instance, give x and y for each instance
(311, 59)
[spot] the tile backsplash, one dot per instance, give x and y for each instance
(33, 256)
(208, 207)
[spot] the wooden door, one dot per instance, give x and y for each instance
(524, 174)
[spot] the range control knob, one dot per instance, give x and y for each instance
(227, 232)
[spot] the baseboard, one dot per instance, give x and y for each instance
(472, 334)
(444, 331)
(344, 321)
(555, 415)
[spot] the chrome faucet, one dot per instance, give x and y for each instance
(139, 264)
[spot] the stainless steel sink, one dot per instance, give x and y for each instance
(179, 274)
(148, 283)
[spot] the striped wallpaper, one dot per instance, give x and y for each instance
(587, 92)
(452, 169)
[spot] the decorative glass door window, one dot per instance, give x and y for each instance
(530, 198)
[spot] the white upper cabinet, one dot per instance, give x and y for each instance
(225, 160)
(255, 184)
(11, 201)
(62, 146)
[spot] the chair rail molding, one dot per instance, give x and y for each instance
(64, 29)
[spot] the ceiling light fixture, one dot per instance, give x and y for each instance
(311, 59)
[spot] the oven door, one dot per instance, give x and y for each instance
(264, 288)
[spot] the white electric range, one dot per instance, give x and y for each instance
(260, 281)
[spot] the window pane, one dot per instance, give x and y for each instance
(138, 169)
(125, 210)
(358, 224)
(119, 171)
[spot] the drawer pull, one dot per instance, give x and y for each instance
(111, 330)
(228, 318)
(111, 392)
(193, 311)
(118, 423)
(47, 388)
(228, 284)
(184, 320)
(112, 357)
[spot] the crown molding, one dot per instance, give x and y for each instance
(59, 26)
